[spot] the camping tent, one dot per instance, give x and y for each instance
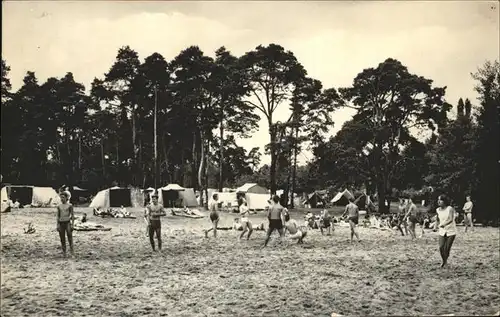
(30, 195)
(188, 197)
(315, 200)
(364, 202)
(117, 197)
(227, 199)
(252, 188)
(170, 196)
(342, 198)
(257, 201)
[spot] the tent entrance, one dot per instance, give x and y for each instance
(120, 197)
(22, 194)
(170, 198)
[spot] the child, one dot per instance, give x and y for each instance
(295, 231)
(326, 221)
(65, 222)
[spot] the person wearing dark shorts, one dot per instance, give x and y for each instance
(276, 219)
(352, 212)
(213, 207)
(153, 213)
(65, 222)
(412, 216)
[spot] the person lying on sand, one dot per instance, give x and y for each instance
(152, 215)
(65, 222)
(296, 231)
(352, 211)
(213, 208)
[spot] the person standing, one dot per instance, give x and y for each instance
(401, 223)
(152, 215)
(412, 216)
(468, 213)
(245, 222)
(352, 212)
(276, 219)
(447, 227)
(213, 208)
(65, 222)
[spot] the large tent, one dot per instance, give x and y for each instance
(252, 188)
(257, 201)
(342, 198)
(30, 195)
(315, 200)
(188, 197)
(169, 196)
(117, 197)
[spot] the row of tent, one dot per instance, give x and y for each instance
(318, 199)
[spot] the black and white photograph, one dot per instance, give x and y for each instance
(250, 158)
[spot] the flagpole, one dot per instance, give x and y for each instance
(155, 141)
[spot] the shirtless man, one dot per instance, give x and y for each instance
(276, 219)
(213, 208)
(296, 231)
(245, 222)
(352, 211)
(65, 222)
(412, 216)
(468, 213)
(152, 216)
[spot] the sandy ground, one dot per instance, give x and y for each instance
(115, 273)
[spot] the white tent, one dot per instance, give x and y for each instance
(228, 199)
(257, 201)
(117, 197)
(342, 197)
(30, 195)
(252, 188)
(173, 187)
(188, 197)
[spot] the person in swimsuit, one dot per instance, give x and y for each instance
(412, 216)
(352, 212)
(213, 208)
(152, 215)
(65, 222)
(400, 223)
(276, 219)
(245, 222)
(468, 213)
(326, 222)
(296, 231)
(447, 227)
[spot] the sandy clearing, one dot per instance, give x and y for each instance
(114, 273)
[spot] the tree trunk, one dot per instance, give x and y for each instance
(194, 162)
(272, 136)
(201, 168)
(135, 173)
(206, 173)
(221, 154)
(294, 173)
(103, 161)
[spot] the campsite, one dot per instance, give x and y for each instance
(250, 158)
(115, 273)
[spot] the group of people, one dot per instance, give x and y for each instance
(279, 220)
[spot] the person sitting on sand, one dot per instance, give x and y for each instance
(154, 211)
(245, 222)
(325, 222)
(213, 208)
(352, 211)
(65, 222)
(16, 204)
(296, 231)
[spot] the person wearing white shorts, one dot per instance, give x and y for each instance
(245, 222)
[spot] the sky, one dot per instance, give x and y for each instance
(334, 40)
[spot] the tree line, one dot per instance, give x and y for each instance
(56, 133)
